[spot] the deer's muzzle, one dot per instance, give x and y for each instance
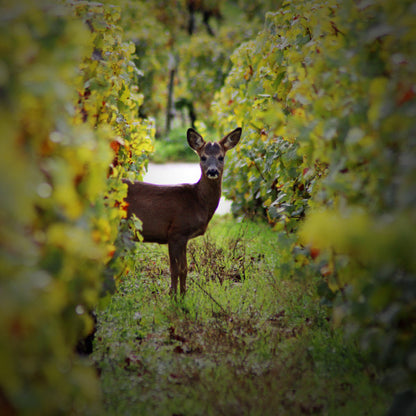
(213, 174)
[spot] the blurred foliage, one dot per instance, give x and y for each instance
(205, 62)
(326, 95)
(256, 9)
(68, 133)
(155, 37)
(199, 60)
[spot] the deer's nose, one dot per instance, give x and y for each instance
(213, 173)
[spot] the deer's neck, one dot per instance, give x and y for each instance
(209, 193)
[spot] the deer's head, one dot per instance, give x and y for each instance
(211, 154)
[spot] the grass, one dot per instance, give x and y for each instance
(244, 341)
(174, 148)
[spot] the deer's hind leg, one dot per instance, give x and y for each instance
(178, 264)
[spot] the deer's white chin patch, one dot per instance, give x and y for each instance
(211, 176)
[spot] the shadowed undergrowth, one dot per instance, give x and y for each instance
(245, 340)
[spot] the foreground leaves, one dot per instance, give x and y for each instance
(65, 93)
(326, 93)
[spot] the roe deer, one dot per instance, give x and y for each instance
(173, 214)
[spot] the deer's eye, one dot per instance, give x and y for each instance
(221, 158)
(203, 158)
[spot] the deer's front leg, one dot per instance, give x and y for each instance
(178, 264)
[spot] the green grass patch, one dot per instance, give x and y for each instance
(246, 340)
(174, 148)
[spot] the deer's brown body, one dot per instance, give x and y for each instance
(174, 214)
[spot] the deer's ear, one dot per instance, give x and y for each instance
(231, 139)
(195, 140)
